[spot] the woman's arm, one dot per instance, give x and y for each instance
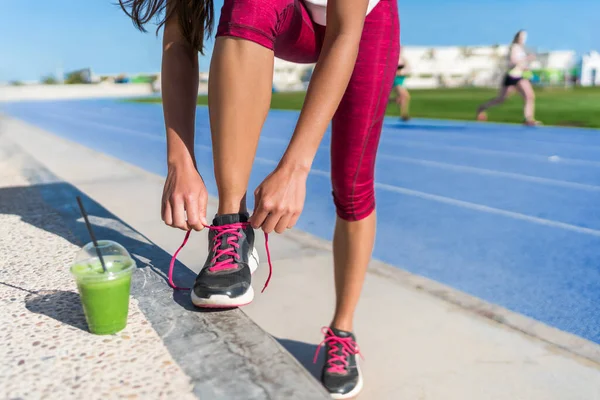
(345, 19)
(179, 84)
(184, 196)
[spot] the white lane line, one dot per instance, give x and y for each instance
(384, 138)
(128, 131)
(426, 196)
(491, 172)
(483, 135)
(409, 143)
(487, 209)
(536, 157)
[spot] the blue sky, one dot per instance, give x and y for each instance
(37, 37)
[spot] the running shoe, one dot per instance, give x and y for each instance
(225, 279)
(531, 122)
(341, 373)
(481, 116)
(405, 118)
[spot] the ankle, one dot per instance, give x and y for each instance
(232, 207)
(342, 325)
(231, 210)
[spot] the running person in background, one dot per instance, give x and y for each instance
(402, 95)
(518, 62)
(355, 45)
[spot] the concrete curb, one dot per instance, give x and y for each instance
(225, 354)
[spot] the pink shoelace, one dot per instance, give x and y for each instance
(226, 263)
(337, 363)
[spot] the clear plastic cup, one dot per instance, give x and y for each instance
(104, 295)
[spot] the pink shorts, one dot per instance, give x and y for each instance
(285, 27)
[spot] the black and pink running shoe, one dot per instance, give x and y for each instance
(341, 373)
(225, 279)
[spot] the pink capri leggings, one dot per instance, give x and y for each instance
(285, 27)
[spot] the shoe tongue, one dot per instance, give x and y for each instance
(228, 219)
(342, 334)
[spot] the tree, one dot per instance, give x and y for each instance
(80, 76)
(49, 80)
(16, 83)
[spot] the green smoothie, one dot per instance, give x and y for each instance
(104, 295)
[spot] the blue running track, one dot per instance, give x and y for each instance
(509, 214)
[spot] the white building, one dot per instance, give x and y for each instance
(431, 67)
(288, 76)
(590, 69)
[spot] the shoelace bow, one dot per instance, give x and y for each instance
(229, 251)
(337, 363)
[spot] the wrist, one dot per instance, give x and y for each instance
(295, 165)
(180, 160)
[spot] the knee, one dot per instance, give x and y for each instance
(354, 205)
(530, 96)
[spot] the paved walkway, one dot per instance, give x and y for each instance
(168, 350)
(420, 340)
(44, 348)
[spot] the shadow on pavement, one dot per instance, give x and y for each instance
(304, 353)
(53, 208)
(60, 305)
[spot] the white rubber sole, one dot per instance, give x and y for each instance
(222, 301)
(354, 392)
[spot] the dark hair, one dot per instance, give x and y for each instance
(195, 17)
(517, 36)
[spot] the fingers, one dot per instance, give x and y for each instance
(282, 224)
(178, 213)
(272, 218)
(193, 213)
(167, 215)
(261, 211)
(185, 212)
(293, 220)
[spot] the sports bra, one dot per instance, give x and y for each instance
(318, 9)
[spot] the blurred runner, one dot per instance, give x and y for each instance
(518, 64)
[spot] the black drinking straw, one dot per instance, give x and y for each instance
(89, 228)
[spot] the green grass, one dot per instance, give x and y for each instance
(557, 106)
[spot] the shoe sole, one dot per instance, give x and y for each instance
(222, 301)
(354, 392)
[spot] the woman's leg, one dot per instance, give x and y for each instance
(355, 137)
(239, 95)
(526, 90)
(503, 94)
(240, 85)
(404, 103)
(241, 77)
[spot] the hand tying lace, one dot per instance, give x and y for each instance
(224, 255)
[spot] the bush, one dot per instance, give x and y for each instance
(49, 80)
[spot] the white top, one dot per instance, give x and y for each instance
(516, 55)
(318, 9)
